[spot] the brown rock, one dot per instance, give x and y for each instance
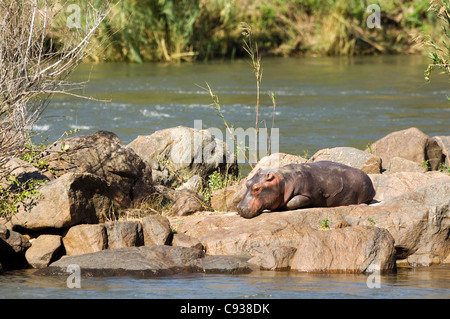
(411, 144)
(277, 160)
(351, 249)
(44, 250)
(12, 241)
(156, 230)
(187, 203)
(368, 163)
(391, 185)
(417, 220)
(83, 239)
(399, 164)
(234, 235)
(12, 248)
(103, 154)
(20, 170)
(124, 234)
(444, 143)
(186, 241)
(278, 258)
(221, 199)
(69, 200)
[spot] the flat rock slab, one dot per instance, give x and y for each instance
(147, 262)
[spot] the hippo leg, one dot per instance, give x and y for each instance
(298, 202)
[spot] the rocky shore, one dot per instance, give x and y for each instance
(96, 209)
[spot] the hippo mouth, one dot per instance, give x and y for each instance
(248, 213)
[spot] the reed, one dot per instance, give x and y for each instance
(250, 46)
(186, 30)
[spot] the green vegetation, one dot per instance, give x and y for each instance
(216, 182)
(18, 193)
(444, 168)
(440, 53)
(176, 30)
(325, 224)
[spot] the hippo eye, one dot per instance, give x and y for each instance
(255, 188)
(270, 177)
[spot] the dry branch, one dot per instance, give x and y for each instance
(35, 64)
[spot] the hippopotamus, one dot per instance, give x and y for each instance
(318, 184)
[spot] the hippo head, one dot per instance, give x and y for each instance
(264, 192)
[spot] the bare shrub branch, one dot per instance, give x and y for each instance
(35, 63)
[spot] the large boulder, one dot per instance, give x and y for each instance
(21, 171)
(44, 250)
(411, 144)
(69, 200)
(391, 185)
(176, 154)
(351, 249)
(416, 217)
(350, 156)
(147, 262)
(129, 177)
(231, 234)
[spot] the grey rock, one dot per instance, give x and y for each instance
(124, 234)
(147, 262)
(178, 153)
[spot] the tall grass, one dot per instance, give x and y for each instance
(175, 30)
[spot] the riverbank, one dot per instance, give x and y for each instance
(93, 214)
(202, 30)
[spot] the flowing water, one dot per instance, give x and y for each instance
(321, 103)
(433, 282)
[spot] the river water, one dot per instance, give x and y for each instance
(321, 103)
(421, 283)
